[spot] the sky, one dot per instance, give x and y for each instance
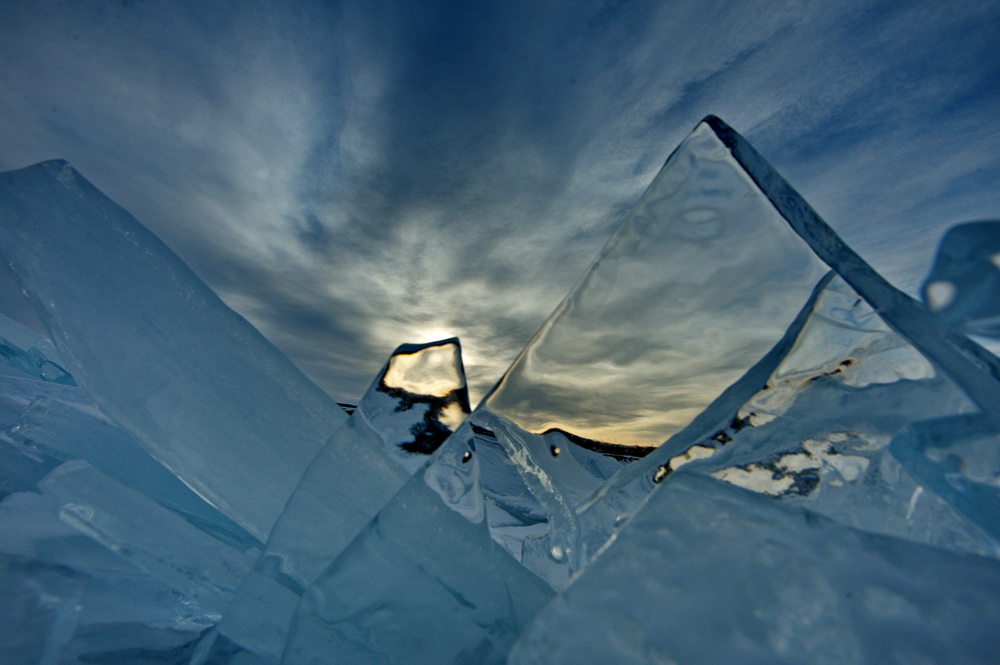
(354, 176)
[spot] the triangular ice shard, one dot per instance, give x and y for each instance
(972, 368)
(157, 350)
(412, 406)
(40, 610)
(686, 312)
(54, 428)
(698, 283)
(817, 433)
(151, 580)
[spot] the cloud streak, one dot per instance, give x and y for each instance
(353, 176)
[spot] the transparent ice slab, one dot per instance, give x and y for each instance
(39, 607)
(414, 403)
(685, 314)
(31, 363)
(957, 457)
(20, 469)
(18, 391)
(697, 284)
(158, 351)
(57, 430)
(120, 602)
(711, 573)
(817, 434)
(148, 536)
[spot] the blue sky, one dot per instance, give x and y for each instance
(352, 176)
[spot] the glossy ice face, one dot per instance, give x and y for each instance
(418, 401)
(431, 369)
(700, 281)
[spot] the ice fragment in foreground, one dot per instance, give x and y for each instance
(958, 458)
(421, 584)
(699, 283)
(710, 573)
(20, 470)
(743, 258)
(39, 607)
(146, 534)
(686, 567)
(57, 430)
(963, 287)
(25, 358)
(157, 350)
(414, 403)
(813, 436)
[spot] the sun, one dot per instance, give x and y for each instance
(436, 334)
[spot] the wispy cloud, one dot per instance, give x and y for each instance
(353, 176)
